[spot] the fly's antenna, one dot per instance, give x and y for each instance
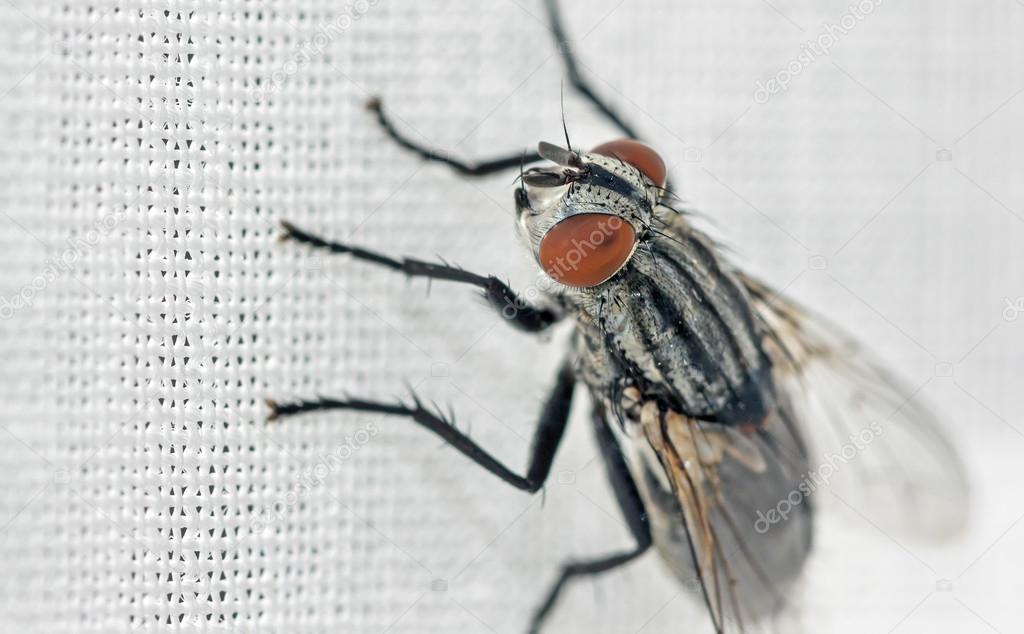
(565, 129)
(522, 171)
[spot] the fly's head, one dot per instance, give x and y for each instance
(584, 216)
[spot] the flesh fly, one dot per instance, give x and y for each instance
(711, 391)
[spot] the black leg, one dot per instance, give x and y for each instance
(546, 437)
(632, 509)
(466, 168)
(503, 299)
(502, 163)
(572, 71)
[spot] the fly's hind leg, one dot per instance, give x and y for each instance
(633, 511)
(546, 437)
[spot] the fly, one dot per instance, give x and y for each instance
(708, 387)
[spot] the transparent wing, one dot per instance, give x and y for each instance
(745, 529)
(873, 445)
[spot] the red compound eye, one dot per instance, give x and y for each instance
(639, 156)
(586, 249)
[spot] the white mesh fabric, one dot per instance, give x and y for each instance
(148, 150)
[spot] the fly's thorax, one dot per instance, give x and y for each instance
(676, 324)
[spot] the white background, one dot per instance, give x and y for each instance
(134, 460)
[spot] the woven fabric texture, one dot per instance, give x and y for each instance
(866, 158)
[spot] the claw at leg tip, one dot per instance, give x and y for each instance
(288, 230)
(272, 405)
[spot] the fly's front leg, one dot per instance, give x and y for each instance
(546, 437)
(499, 295)
(466, 168)
(576, 79)
(502, 163)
